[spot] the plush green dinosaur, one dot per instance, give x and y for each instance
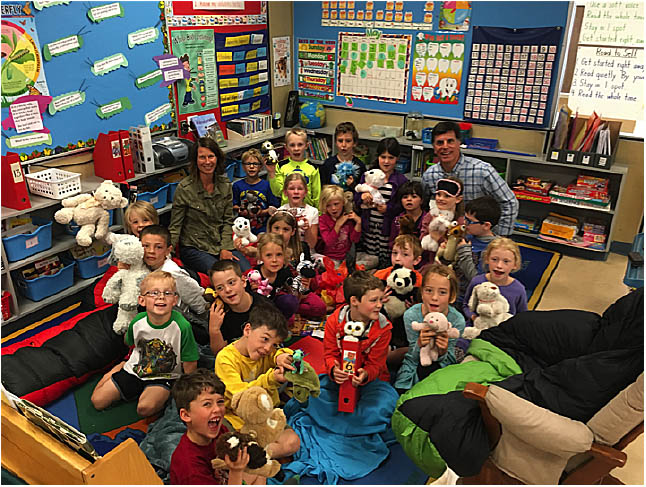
(305, 380)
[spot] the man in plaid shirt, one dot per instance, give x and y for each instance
(479, 177)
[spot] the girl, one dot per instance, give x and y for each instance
(339, 230)
(307, 216)
(411, 198)
(501, 257)
(448, 198)
(439, 290)
(375, 222)
(138, 215)
(281, 223)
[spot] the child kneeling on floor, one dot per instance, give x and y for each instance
(199, 397)
(164, 344)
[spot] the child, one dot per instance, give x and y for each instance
(411, 198)
(363, 293)
(307, 216)
(256, 360)
(282, 223)
(376, 221)
(227, 320)
(252, 196)
(501, 257)
(199, 397)
(296, 144)
(138, 215)
(339, 230)
(345, 138)
(439, 290)
(164, 344)
(448, 197)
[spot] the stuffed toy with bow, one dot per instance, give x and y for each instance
(438, 323)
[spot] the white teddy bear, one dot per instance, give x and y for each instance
(491, 307)
(439, 324)
(375, 179)
(90, 212)
(242, 231)
(442, 220)
(123, 286)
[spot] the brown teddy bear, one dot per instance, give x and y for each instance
(259, 461)
(261, 419)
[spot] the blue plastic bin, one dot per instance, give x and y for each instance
(171, 191)
(72, 228)
(427, 135)
(239, 170)
(634, 276)
(231, 170)
(157, 198)
(403, 165)
(94, 265)
(44, 286)
(21, 246)
(478, 143)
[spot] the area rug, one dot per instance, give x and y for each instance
(537, 268)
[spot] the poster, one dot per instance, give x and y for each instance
(196, 51)
(378, 15)
(613, 24)
(455, 16)
(437, 68)
(22, 65)
(316, 62)
(283, 61)
(373, 67)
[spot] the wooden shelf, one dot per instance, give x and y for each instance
(536, 236)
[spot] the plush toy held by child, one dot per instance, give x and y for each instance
(438, 323)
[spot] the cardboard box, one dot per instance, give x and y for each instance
(560, 226)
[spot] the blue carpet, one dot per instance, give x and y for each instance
(65, 408)
(536, 270)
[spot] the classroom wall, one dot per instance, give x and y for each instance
(281, 21)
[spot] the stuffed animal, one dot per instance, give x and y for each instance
(403, 282)
(264, 287)
(345, 170)
(306, 270)
(90, 212)
(491, 307)
(259, 461)
(348, 202)
(123, 286)
(211, 296)
(256, 408)
(304, 377)
(331, 282)
(447, 255)
(441, 222)
(242, 231)
(439, 324)
(375, 179)
(267, 149)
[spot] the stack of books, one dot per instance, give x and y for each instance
(251, 127)
(318, 148)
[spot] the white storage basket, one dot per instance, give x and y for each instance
(54, 183)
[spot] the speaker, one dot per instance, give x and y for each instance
(291, 111)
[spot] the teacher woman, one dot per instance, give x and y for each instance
(202, 212)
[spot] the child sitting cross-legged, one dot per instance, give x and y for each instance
(256, 360)
(164, 345)
(199, 397)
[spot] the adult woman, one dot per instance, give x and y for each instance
(202, 212)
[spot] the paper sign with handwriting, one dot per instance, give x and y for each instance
(613, 24)
(26, 116)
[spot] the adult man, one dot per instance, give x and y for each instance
(479, 177)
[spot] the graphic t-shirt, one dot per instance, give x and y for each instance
(253, 198)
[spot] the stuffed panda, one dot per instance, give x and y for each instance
(403, 282)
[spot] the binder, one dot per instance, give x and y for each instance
(14, 187)
(126, 154)
(351, 356)
(142, 148)
(108, 162)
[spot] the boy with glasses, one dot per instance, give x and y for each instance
(252, 196)
(164, 346)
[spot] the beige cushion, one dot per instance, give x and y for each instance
(625, 411)
(536, 443)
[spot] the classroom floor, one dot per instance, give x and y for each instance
(603, 286)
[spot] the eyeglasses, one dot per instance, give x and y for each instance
(252, 164)
(160, 294)
(229, 283)
(469, 221)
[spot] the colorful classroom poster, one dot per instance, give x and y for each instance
(456, 16)
(375, 68)
(283, 60)
(22, 66)
(364, 15)
(316, 61)
(511, 75)
(437, 68)
(196, 51)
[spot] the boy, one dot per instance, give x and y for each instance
(363, 293)
(345, 138)
(407, 252)
(199, 397)
(163, 342)
(296, 145)
(227, 321)
(252, 196)
(254, 361)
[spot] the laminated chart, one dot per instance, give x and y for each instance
(373, 67)
(437, 68)
(316, 63)
(378, 15)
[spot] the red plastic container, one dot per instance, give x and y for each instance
(6, 305)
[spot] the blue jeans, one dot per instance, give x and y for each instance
(201, 261)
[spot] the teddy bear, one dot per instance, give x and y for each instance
(375, 179)
(448, 253)
(261, 419)
(491, 307)
(123, 286)
(304, 377)
(441, 222)
(264, 287)
(402, 281)
(242, 231)
(439, 324)
(267, 149)
(90, 211)
(259, 461)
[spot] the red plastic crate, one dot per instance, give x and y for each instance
(6, 305)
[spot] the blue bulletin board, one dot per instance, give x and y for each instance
(363, 40)
(110, 53)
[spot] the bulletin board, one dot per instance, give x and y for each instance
(440, 38)
(90, 55)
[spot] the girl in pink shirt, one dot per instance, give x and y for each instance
(339, 229)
